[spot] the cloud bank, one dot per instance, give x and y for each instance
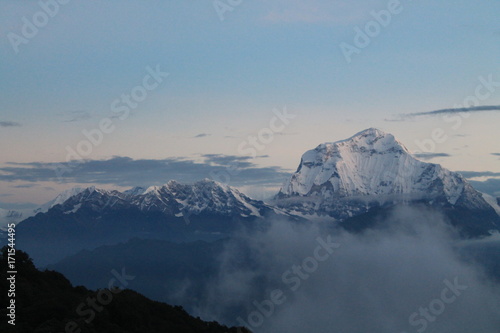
(406, 276)
(125, 171)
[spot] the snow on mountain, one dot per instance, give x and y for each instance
(93, 199)
(205, 210)
(372, 168)
(61, 198)
(337, 180)
(15, 216)
(135, 190)
(172, 199)
(205, 196)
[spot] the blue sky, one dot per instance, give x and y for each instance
(226, 78)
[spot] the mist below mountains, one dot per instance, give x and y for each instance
(411, 274)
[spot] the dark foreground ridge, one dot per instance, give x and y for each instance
(47, 302)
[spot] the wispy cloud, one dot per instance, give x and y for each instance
(483, 108)
(31, 185)
(476, 174)
(228, 160)
(9, 124)
(202, 135)
(75, 116)
(394, 119)
(430, 156)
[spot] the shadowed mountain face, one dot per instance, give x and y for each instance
(47, 302)
(372, 170)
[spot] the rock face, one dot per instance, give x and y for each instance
(372, 169)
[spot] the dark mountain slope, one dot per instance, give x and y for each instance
(47, 302)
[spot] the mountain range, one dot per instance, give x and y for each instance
(352, 183)
(206, 210)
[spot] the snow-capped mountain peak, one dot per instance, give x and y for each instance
(370, 162)
(152, 190)
(137, 190)
(371, 168)
(371, 138)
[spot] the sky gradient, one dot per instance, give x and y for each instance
(227, 79)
